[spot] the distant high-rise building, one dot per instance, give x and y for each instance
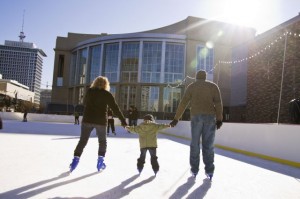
(45, 97)
(23, 62)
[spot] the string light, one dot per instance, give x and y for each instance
(257, 53)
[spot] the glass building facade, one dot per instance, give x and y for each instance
(140, 71)
(149, 69)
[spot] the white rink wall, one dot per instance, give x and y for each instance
(278, 142)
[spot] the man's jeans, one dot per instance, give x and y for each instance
(203, 126)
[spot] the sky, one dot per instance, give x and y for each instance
(45, 20)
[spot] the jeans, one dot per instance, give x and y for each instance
(86, 130)
(204, 126)
(141, 159)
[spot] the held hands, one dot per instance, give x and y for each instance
(173, 123)
(219, 124)
(124, 124)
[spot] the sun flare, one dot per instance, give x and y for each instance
(243, 12)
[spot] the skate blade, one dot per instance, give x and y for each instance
(102, 168)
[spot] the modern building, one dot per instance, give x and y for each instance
(147, 69)
(23, 62)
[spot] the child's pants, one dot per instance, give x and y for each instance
(141, 160)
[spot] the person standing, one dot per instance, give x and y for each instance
(96, 103)
(134, 117)
(25, 115)
(206, 112)
(147, 131)
(130, 114)
(76, 115)
(110, 122)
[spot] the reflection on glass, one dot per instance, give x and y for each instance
(171, 99)
(150, 98)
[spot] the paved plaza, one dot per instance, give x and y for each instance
(35, 157)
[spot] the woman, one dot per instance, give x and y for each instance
(96, 103)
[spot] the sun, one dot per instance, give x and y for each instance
(242, 12)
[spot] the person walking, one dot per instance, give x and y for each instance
(206, 111)
(147, 132)
(110, 122)
(96, 103)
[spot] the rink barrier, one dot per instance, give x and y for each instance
(274, 142)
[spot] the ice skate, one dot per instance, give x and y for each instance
(140, 171)
(209, 176)
(194, 174)
(100, 163)
(74, 163)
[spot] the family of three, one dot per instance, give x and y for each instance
(205, 102)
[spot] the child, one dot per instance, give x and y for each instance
(147, 131)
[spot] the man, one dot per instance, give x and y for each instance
(206, 115)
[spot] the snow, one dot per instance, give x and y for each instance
(35, 157)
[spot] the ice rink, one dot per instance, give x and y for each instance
(35, 158)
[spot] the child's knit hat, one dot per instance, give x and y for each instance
(149, 117)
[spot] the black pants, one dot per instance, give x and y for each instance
(111, 124)
(141, 159)
(86, 130)
(76, 119)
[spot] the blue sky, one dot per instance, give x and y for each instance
(45, 20)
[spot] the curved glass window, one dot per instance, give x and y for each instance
(94, 64)
(82, 66)
(205, 60)
(130, 61)
(174, 62)
(110, 61)
(151, 65)
(73, 69)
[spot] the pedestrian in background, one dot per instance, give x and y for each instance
(25, 115)
(76, 115)
(132, 116)
(110, 122)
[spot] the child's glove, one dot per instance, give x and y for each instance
(219, 124)
(173, 123)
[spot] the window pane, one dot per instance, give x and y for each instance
(130, 61)
(110, 61)
(82, 66)
(149, 98)
(205, 57)
(174, 62)
(95, 62)
(151, 64)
